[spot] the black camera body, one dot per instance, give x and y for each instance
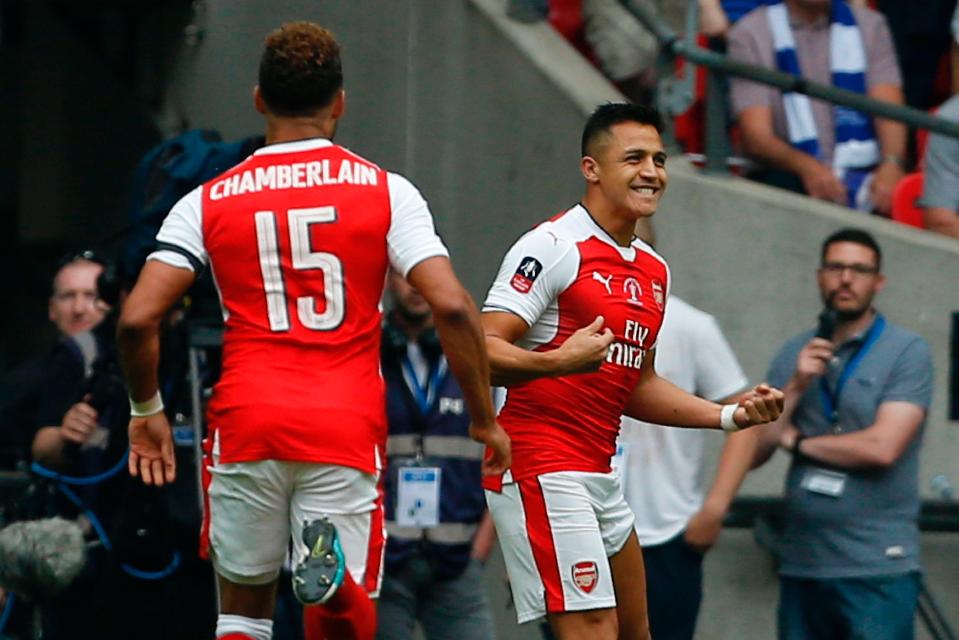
(105, 383)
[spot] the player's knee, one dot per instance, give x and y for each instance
(596, 624)
(600, 625)
(240, 627)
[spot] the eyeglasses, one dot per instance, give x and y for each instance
(858, 270)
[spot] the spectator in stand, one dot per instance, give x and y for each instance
(827, 151)
(624, 49)
(718, 15)
(920, 30)
(940, 193)
(609, 34)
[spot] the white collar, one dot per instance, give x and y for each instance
(628, 253)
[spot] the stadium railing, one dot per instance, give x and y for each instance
(717, 65)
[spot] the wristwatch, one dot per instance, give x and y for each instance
(894, 159)
(795, 448)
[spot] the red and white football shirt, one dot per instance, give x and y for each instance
(298, 237)
(558, 278)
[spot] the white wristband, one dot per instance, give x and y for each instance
(146, 408)
(726, 421)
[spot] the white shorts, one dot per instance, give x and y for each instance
(557, 532)
(256, 508)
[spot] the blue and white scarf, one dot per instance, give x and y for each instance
(856, 150)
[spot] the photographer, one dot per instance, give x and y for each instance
(857, 394)
(72, 309)
(82, 365)
(80, 450)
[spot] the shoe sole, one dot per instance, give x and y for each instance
(321, 572)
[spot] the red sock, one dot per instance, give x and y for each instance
(348, 615)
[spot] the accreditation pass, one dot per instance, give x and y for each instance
(418, 497)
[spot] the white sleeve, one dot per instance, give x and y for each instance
(535, 270)
(718, 373)
(180, 239)
(412, 237)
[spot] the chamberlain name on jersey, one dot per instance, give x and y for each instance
(298, 175)
(558, 278)
(299, 237)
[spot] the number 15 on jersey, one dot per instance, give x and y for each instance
(303, 258)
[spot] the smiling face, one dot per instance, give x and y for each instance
(849, 278)
(626, 165)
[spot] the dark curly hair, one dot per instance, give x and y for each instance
(300, 69)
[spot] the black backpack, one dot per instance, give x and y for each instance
(165, 174)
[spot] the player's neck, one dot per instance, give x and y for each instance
(620, 228)
(292, 129)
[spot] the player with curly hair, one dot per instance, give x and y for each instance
(299, 236)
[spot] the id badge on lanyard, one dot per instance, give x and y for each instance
(418, 496)
(823, 482)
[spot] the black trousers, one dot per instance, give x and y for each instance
(674, 588)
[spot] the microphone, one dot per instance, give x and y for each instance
(828, 318)
(39, 558)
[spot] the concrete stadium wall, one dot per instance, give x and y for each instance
(484, 114)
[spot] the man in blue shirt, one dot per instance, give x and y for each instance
(857, 395)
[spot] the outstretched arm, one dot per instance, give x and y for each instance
(458, 325)
(138, 338)
(659, 401)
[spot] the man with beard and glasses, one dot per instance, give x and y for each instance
(857, 396)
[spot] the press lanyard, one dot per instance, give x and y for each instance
(424, 396)
(830, 398)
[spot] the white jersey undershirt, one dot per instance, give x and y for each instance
(660, 466)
